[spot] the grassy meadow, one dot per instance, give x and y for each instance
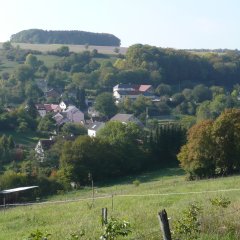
(7, 66)
(72, 48)
(28, 139)
(137, 204)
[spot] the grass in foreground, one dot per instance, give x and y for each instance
(140, 209)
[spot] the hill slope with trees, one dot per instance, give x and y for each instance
(65, 37)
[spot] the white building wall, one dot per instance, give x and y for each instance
(42, 113)
(91, 133)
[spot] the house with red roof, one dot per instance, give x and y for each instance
(45, 108)
(132, 91)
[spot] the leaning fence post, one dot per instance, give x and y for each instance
(112, 202)
(104, 216)
(164, 224)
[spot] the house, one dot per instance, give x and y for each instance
(42, 146)
(92, 112)
(94, 128)
(73, 114)
(64, 104)
(126, 118)
(60, 119)
(70, 114)
(133, 88)
(132, 91)
(52, 93)
(43, 109)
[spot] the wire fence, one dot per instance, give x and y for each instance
(155, 233)
(120, 196)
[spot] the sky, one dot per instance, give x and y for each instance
(180, 24)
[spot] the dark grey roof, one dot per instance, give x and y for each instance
(122, 117)
(95, 125)
(126, 85)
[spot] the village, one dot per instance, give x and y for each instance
(66, 112)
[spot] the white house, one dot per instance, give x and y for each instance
(132, 91)
(94, 128)
(42, 146)
(64, 104)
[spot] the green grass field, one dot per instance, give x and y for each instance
(28, 139)
(73, 48)
(137, 204)
(49, 60)
(8, 66)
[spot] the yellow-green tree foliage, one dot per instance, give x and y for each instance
(213, 147)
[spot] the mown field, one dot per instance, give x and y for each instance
(72, 48)
(137, 204)
(28, 139)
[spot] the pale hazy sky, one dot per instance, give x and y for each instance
(163, 23)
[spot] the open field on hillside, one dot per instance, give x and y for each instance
(73, 48)
(49, 60)
(137, 204)
(7, 66)
(28, 139)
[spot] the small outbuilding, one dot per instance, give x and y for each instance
(94, 128)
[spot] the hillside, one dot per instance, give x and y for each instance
(137, 204)
(65, 37)
(73, 48)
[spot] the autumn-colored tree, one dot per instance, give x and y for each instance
(213, 147)
(197, 156)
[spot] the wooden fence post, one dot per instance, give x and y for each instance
(112, 202)
(164, 224)
(104, 216)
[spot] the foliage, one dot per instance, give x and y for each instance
(196, 157)
(12, 179)
(136, 183)
(63, 51)
(163, 89)
(6, 149)
(213, 146)
(74, 129)
(56, 79)
(32, 61)
(65, 37)
(46, 123)
(177, 67)
(76, 235)
(188, 225)
(38, 235)
(116, 152)
(116, 228)
(165, 142)
(226, 134)
(116, 132)
(105, 104)
(220, 202)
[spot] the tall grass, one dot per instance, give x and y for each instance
(62, 219)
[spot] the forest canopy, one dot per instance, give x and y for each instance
(65, 37)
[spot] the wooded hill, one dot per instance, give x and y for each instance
(65, 37)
